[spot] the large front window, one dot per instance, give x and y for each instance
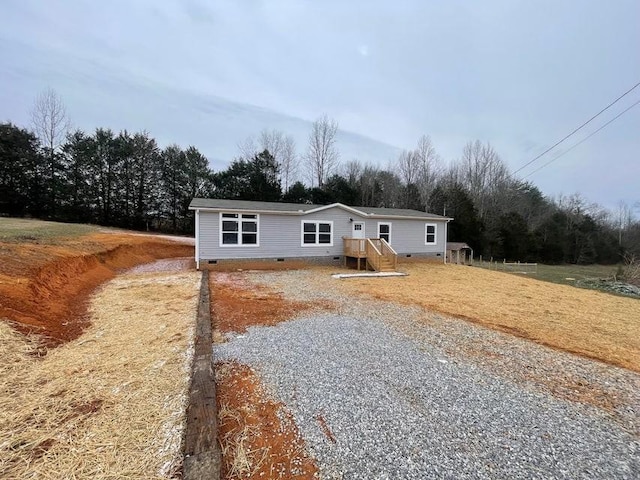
(239, 229)
(430, 233)
(317, 233)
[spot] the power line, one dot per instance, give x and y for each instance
(583, 140)
(579, 128)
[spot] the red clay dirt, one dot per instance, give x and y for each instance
(258, 437)
(44, 287)
(236, 304)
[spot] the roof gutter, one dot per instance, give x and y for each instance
(245, 210)
(406, 217)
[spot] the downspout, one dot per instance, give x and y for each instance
(444, 254)
(197, 253)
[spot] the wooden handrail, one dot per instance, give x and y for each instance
(373, 249)
(388, 247)
(373, 254)
(389, 252)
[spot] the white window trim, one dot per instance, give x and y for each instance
(239, 219)
(435, 233)
(302, 222)
(390, 227)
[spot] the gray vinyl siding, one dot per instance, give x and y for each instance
(408, 236)
(280, 236)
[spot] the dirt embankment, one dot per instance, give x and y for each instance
(44, 287)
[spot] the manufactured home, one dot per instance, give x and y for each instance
(370, 237)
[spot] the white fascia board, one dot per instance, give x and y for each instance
(338, 205)
(406, 217)
(245, 210)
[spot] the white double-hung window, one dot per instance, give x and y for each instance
(430, 230)
(238, 229)
(384, 231)
(317, 233)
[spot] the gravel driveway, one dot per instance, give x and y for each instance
(378, 392)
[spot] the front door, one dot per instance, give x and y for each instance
(357, 230)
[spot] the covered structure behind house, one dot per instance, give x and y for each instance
(459, 253)
(239, 229)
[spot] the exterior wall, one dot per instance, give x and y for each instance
(280, 236)
(407, 236)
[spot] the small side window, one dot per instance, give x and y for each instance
(430, 233)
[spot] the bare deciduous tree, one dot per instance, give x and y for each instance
(289, 162)
(272, 140)
(51, 124)
(283, 149)
(430, 168)
(390, 191)
(248, 148)
(623, 218)
(322, 155)
(352, 171)
(369, 186)
(49, 119)
(419, 170)
(484, 174)
(408, 167)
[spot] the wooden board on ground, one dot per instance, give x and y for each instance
(201, 452)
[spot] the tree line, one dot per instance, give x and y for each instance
(126, 180)
(122, 180)
(498, 215)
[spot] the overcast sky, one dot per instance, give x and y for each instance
(519, 75)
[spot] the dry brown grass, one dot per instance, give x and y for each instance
(111, 403)
(593, 324)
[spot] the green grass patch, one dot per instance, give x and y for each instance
(582, 276)
(22, 230)
(570, 274)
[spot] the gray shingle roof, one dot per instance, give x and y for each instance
(457, 246)
(399, 212)
(249, 205)
(220, 204)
